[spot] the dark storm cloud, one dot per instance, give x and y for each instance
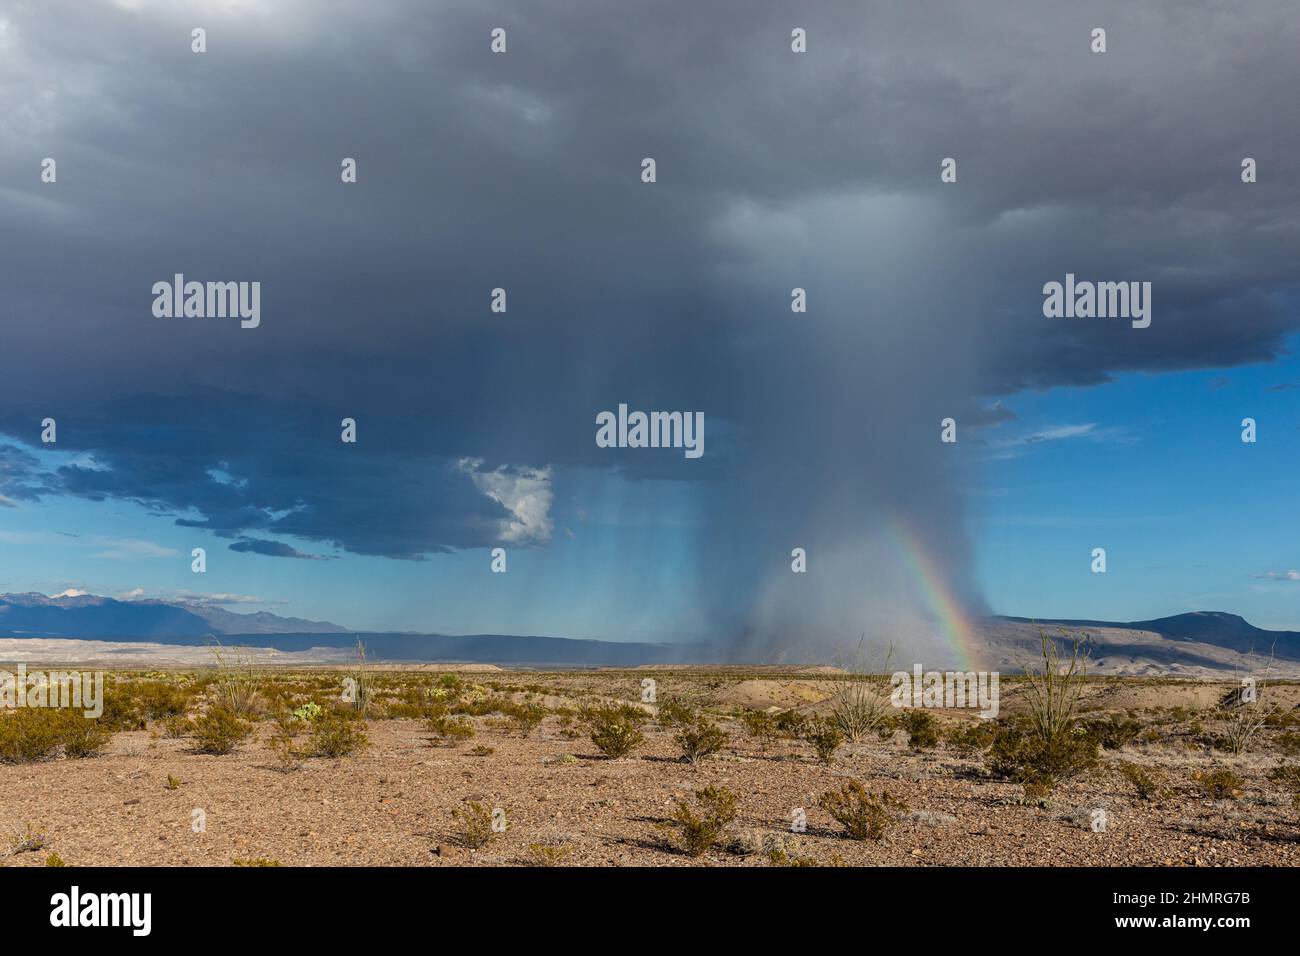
(478, 171)
(210, 458)
(21, 476)
(274, 549)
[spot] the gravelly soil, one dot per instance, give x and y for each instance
(392, 805)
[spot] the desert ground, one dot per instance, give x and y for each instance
(417, 772)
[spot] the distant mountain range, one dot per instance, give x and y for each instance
(1200, 643)
(90, 616)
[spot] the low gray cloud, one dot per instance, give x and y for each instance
(273, 549)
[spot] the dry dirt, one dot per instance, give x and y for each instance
(393, 803)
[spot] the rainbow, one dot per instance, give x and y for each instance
(947, 610)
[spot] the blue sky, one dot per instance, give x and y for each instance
(1191, 517)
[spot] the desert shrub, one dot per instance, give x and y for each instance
(1281, 719)
(220, 731)
(1018, 753)
(525, 718)
(1289, 743)
(778, 856)
(342, 710)
(616, 730)
(176, 727)
(543, 854)
(863, 815)
(447, 730)
(121, 709)
(700, 831)
(922, 729)
(404, 710)
(158, 701)
(25, 840)
(791, 723)
(256, 861)
(332, 737)
(700, 739)
(674, 713)
(1247, 714)
(81, 736)
(1052, 692)
(1288, 776)
(283, 744)
(482, 751)
(565, 717)
(235, 685)
(474, 825)
(760, 725)
(55, 860)
(824, 737)
(1220, 783)
(1047, 746)
(1114, 732)
(29, 734)
(1144, 781)
(859, 710)
(173, 782)
(970, 738)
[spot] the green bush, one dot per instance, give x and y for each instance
(1020, 754)
(700, 739)
(824, 737)
(700, 831)
(760, 725)
(121, 709)
(922, 729)
(38, 733)
(475, 825)
(971, 738)
(158, 701)
(793, 724)
(450, 731)
(525, 718)
(1220, 784)
(616, 730)
(334, 737)
(1114, 732)
(863, 815)
(673, 713)
(1144, 781)
(220, 731)
(83, 737)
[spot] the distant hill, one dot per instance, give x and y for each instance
(1199, 643)
(1216, 628)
